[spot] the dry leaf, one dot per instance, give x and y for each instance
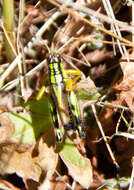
(47, 159)
(31, 184)
(126, 86)
(82, 174)
(20, 163)
(6, 129)
(37, 163)
(86, 84)
(60, 183)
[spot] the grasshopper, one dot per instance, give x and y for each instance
(64, 107)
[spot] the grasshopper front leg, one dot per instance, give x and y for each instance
(70, 83)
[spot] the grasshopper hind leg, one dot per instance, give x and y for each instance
(76, 115)
(80, 127)
(70, 125)
(54, 116)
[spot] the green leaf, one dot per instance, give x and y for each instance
(28, 126)
(70, 152)
(38, 106)
(87, 95)
(76, 164)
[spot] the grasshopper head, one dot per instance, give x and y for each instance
(54, 58)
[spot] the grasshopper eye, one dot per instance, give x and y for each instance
(49, 57)
(57, 56)
(59, 59)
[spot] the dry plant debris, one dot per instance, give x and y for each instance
(94, 37)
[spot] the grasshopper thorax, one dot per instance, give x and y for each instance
(57, 75)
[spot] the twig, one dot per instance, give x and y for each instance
(115, 27)
(103, 135)
(50, 21)
(15, 82)
(9, 70)
(91, 12)
(37, 35)
(112, 105)
(68, 10)
(24, 86)
(119, 120)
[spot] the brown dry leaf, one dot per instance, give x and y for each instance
(7, 100)
(6, 133)
(20, 163)
(125, 152)
(107, 121)
(86, 84)
(6, 129)
(37, 163)
(31, 184)
(60, 183)
(47, 158)
(81, 174)
(126, 86)
(97, 56)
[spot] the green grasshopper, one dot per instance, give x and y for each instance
(64, 108)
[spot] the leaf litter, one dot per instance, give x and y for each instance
(27, 139)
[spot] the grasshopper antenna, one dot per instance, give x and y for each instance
(47, 48)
